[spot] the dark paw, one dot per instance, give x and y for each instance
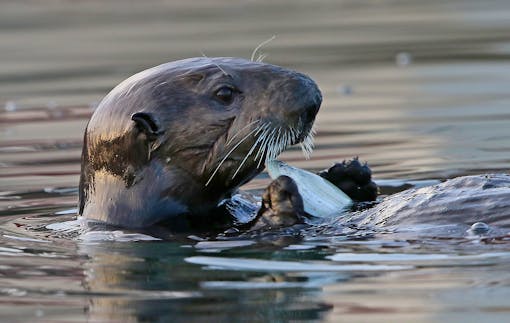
(282, 205)
(353, 178)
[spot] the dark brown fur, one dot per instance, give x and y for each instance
(153, 144)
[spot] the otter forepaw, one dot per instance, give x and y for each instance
(282, 205)
(353, 178)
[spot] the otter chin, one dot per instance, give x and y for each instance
(177, 139)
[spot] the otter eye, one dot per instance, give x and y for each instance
(225, 94)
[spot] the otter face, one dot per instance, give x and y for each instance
(180, 137)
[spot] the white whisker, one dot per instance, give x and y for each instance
(271, 147)
(249, 152)
(228, 154)
(216, 64)
(261, 58)
(265, 146)
(278, 145)
(282, 145)
(268, 144)
(308, 144)
(278, 136)
(260, 46)
(266, 136)
(240, 131)
(294, 136)
(262, 148)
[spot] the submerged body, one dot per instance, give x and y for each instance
(462, 200)
(481, 201)
(173, 141)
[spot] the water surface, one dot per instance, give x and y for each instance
(419, 89)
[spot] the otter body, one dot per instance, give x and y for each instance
(174, 141)
(463, 200)
(177, 139)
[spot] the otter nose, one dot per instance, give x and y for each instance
(311, 108)
(295, 101)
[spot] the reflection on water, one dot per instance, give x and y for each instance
(417, 88)
(288, 278)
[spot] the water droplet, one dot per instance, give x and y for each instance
(345, 89)
(479, 228)
(53, 111)
(10, 106)
(52, 105)
(403, 59)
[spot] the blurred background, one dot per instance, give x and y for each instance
(420, 89)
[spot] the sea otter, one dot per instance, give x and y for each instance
(175, 140)
(171, 144)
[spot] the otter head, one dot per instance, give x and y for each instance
(180, 137)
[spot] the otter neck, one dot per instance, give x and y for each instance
(143, 205)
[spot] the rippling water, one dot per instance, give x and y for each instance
(420, 89)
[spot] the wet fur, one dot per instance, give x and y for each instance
(160, 145)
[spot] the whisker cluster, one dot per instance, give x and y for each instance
(269, 143)
(307, 144)
(262, 56)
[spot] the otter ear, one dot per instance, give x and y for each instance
(147, 124)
